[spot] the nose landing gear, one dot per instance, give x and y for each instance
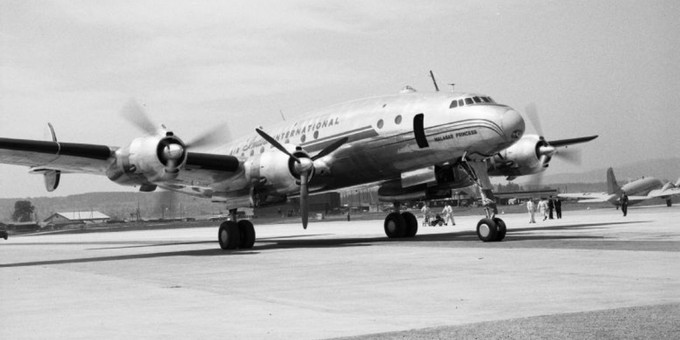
(491, 228)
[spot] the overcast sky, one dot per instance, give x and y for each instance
(592, 67)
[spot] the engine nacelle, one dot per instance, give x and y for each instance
(522, 158)
(274, 173)
(147, 160)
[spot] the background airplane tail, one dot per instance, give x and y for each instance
(612, 186)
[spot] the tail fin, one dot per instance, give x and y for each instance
(612, 187)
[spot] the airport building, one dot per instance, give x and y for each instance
(75, 217)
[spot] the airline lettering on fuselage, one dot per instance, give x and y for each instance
(296, 130)
(441, 139)
(466, 133)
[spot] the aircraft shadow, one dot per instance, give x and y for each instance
(467, 238)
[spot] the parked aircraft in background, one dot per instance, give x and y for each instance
(411, 145)
(638, 190)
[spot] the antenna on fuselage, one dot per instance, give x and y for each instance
(452, 85)
(434, 81)
(282, 116)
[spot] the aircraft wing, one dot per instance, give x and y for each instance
(666, 193)
(47, 155)
(208, 171)
(638, 198)
(587, 196)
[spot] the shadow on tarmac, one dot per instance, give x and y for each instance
(464, 238)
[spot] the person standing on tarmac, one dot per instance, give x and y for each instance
(448, 214)
(558, 208)
(543, 208)
(624, 203)
(551, 207)
(426, 214)
(531, 209)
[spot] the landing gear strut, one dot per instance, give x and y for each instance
(491, 228)
(400, 224)
(233, 235)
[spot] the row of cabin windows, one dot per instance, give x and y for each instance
(470, 101)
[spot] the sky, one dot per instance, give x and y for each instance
(610, 68)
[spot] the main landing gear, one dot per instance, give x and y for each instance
(400, 224)
(233, 235)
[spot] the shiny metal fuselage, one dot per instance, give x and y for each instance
(382, 138)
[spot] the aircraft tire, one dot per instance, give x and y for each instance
(228, 235)
(501, 229)
(411, 224)
(395, 225)
(487, 230)
(247, 233)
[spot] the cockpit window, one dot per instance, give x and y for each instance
(471, 101)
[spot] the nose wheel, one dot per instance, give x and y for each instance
(491, 228)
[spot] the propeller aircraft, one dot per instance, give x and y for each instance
(412, 145)
(639, 190)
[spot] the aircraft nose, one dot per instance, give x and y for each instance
(513, 125)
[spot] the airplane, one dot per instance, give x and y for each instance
(638, 190)
(412, 145)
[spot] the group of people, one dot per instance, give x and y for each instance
(447, 212)
(544, 207)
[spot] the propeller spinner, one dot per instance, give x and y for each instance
(304, 167)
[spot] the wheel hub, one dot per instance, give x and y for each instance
(484, 230)
(391, 226)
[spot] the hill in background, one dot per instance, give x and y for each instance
(125, 205)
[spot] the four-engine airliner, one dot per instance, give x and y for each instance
(411, 145)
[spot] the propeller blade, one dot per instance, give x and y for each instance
(275, 143)
(572, 156)
(135, 114)
(214, 136)
(304, 193)
(532, 114)
(332, 147)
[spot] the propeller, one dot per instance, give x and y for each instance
(546, 149)
(304, 167)
(173, 148)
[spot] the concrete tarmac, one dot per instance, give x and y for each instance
(346, 279)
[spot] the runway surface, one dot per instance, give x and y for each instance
(591, 274)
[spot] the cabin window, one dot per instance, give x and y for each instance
(380, 124)
(303, 138)
(316, 134)
(397, 120)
